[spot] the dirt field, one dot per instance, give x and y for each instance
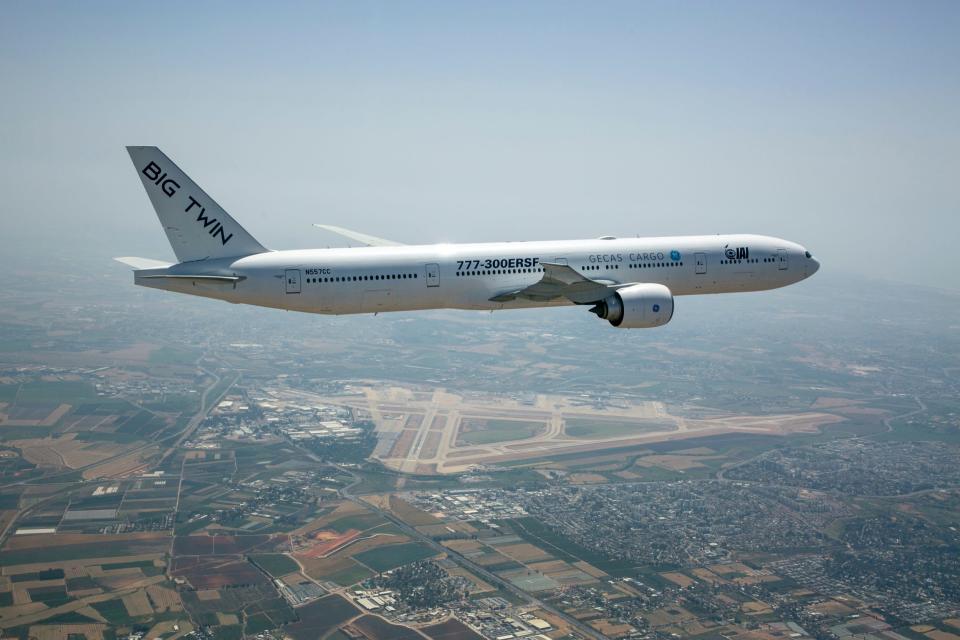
(137, 604)
(64, 631)
(524, 553)
(679, 579)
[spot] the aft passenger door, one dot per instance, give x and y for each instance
(293, 280)
(433, 274)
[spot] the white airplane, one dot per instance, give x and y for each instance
(631, 282)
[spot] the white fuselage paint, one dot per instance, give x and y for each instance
(405, 278)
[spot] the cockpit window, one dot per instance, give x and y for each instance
(807, 253)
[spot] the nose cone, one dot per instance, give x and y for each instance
(812, 266)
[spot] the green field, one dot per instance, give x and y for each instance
(350, 576)
(360, 522)
(393, 556)
(276, 564)
(598, 428)
(500, 431)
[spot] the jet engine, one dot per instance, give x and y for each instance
(639, 306)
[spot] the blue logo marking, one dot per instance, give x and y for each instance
(656, 308)
(675, 255)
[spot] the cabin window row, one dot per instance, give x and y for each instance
(655, 265)
(748, 261)
(385, 276)
(497, 272)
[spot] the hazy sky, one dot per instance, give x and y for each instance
(835, 124)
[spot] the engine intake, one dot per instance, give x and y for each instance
(640, 306)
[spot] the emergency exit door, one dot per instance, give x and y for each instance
(293, 280)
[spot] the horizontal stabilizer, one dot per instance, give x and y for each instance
(188, 276)
(363, 238)
(143, 263)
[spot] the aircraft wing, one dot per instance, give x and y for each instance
(560, 280)
(362, 238)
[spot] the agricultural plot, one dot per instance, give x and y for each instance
(61, 548)
(204, 545)
(276, 564)
(216, 573)
(452, 629)
(320, 617)
(390, 557)
(379, 629)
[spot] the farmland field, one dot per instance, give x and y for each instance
(452, 629)
(380, 629)
(276, 564)
(393, 556)
(320, 617)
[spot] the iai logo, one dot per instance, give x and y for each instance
(675, 255)
(656, 308)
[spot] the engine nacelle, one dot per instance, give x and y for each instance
(641, 306)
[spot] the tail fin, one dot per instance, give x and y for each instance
(197, 227)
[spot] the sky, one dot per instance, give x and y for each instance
(833, 124)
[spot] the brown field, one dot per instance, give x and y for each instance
(44, 540)
(208, 594)
(669, 615)
(525, 552)
(63, 631)
(137, 604)
(549, 566)
(164, 599)
(708, 576)
(611, 629)
(755, 608)
(679, 579)
(936, 634)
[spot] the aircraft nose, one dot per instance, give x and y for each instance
(813, 265)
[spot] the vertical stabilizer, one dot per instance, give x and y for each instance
(197, 227)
